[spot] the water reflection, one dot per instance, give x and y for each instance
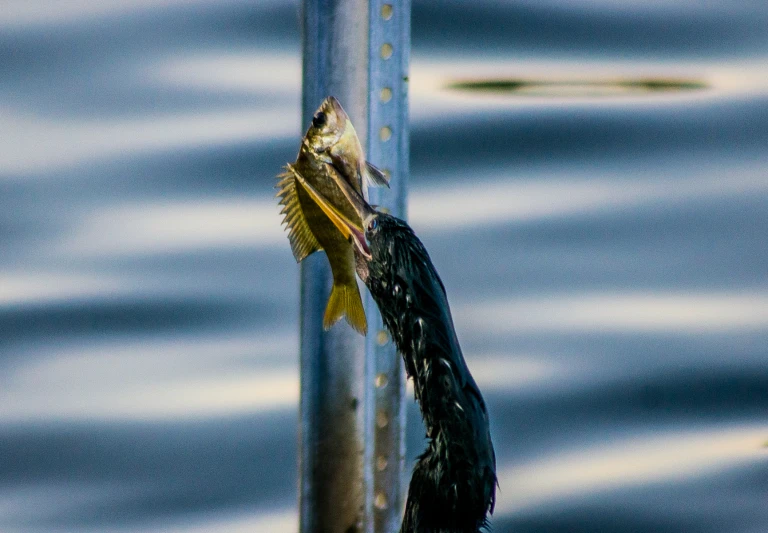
(604, 255)
(570, 88)
(157, 379)
(641, 312)
(630, 460)
(234, 73)
(487, 201)
(175, 227)
(41, 145)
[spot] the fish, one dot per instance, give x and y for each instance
(332, 139)
(318, 193)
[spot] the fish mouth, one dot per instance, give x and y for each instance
(331, 104)
(352, 231)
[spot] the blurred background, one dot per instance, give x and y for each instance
(589, 177)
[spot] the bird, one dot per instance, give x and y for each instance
(453, 485)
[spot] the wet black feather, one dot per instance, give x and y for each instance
(453, 486)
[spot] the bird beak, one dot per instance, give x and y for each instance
(352, 231)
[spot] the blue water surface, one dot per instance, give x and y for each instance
(598, 213)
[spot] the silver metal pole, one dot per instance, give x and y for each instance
(332, 478)
(352, 416)
(389, 51)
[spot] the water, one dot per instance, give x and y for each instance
(594, 196)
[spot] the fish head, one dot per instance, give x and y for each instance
(329, 125)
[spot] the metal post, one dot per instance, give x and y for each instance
(389, 50)
(352, 416)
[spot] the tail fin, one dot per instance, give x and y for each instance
(345, 300)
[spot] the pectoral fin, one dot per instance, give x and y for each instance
(375, 177)
(349, 229)
(303, 241)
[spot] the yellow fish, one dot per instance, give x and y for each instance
(330, 166)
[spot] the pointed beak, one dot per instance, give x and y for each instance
(352, 231)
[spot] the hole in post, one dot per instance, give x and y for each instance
(382, 337)
(381, 463)
(386, 51)
(386, 11)
(385, 133)
(380, 501)
(382, 420)
(381, 380)
(385, 95)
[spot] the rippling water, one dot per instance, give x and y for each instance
(589, 177)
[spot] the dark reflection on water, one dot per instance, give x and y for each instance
(587, 87)
(617, 250)
(124, 316)
(725, 130)
(600, 28)
(604, 254)
(168, 468)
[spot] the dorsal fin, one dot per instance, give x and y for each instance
(303, 241)
(374, 176)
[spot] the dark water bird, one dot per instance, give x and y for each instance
(330, 155)
(453, 487)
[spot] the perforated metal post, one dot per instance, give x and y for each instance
(352, 389)
(389, 50)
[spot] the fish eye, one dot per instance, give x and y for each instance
(319, 120)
